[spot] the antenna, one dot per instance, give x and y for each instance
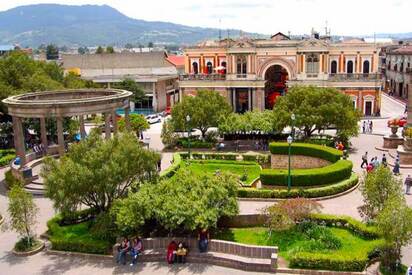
(326, 28)
(220, 29)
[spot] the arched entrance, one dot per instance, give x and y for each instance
(276, 77)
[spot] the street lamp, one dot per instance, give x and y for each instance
(188, 132)
(290, 140)
(292, 117)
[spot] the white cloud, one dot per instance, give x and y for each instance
(266, 16)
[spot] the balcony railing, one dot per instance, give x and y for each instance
(355, 77)
(184, 77)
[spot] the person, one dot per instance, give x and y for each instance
(181, 253)
(159, 165)
(364, 160)
(367, 127)
(370, 126)
(408, 183)
(369, 168)
(376, 163)
(384, 160)
(171, 252)
(136, 250)
(203, 238)
(409, 271)
(340, 146)
(396, 168)
(123, 249)
(363, 126)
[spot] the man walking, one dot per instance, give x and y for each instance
(364, 160)
(408, 183)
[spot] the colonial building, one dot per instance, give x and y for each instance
(151, 70)
(397, 70)
(251, 74)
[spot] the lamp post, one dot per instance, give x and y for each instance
(188, 132)
(292, 117)
(290, 139)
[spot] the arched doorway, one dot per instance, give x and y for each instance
(276, 77)
(349, 69)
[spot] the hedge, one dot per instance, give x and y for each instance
(335, 172)
(306, 149)
(217, 161)
(169, 172)
(195, 143)
(260, 158)
(294, 193)
(6, 159)
(5, 152)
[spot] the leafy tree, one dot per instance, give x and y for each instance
(168, 135)
(53, 70)
(83, 50)
(205, 110)
(99, 50)
(52, 52)
(15, 68)
(285, 214)
(23, 212)
(316, 109)
(73, 81)
(150, 45)
(109, 49)
(186, 201)
(130, 85)
(40, 81)
(129, 46)
(377, 187)
(394, 223)
(95, 172)
(248, 122)
(138, 123)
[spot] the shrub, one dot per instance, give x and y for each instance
(177, 161)
(306, 149)
(11, 180)
(338, 171)
(5, 160)
(24, 244)
(194, 143)
(321, 234)
(5, 152)
(262, 159)
(294, 193)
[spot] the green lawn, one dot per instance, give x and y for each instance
(291, 241)
(251, 169)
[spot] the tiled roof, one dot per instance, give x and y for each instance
(404, 50)
(177, 60)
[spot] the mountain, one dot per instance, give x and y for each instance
(91, 25)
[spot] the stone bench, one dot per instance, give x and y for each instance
(221, 253)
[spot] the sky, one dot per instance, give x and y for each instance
(343, 17)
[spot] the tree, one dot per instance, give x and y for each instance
(99, 50)
(316, 109)
(109, 49)
(23, 213)
(376, 188)
(129, 46)
(260, 122)
(285, 214)
(394, 223)
(52, 52)
(95, 172)
(150, 45)
(168, 135)
(130, 85)
(83, 50)
(138, 123)
(205, 110)
(185, 201)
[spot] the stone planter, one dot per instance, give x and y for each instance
(408, 143)
(29, 253)
(394, 131)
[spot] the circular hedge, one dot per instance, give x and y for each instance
(306, 149)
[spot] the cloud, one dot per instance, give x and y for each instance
(239, 5)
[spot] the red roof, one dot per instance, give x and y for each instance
(404, 50)
(177, 60)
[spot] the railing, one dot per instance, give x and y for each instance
(355, 77)
(202, 77)
(408, 70)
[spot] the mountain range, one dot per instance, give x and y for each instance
(92, 25)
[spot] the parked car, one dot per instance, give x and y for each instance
(153, 118)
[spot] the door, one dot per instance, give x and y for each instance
(368, 108)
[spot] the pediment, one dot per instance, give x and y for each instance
(313, 44)
(243, 43)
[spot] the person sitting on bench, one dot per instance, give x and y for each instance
(181, 253)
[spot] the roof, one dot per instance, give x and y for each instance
(403, 50)
(177, 60)
(116, 60)
(280, 36)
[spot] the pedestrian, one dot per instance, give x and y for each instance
(384, 160)
(364, 160)
(367, 127)
(376, 163)
(159, 165)
(409, 271)
(408, 183)
(363, 126)
(370, 126)
(396, 168)
(369, 168)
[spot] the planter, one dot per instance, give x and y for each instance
(408, 143)
(31, 252)
(394, 131)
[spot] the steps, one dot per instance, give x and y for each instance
(35, 188)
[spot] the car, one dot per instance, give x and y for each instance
(153, 119)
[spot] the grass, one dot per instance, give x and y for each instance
(251, 170)
(292, 240)
(24, 246)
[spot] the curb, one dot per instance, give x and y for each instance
(77, 254)
(29, 253)
(316, 272)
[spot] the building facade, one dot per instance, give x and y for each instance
(397, 70)
(251, 74)
(151, 70)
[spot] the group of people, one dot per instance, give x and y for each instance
(134, 248)
(367, 126)
(176, 252)
(374, 163)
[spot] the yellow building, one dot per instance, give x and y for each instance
(251, 74)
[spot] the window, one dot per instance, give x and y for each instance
(195, 68)
(401, 67)
(349, 67)
(209, 67)
(312, 65)
(366, 68)
(224, 66)
(334, 67)
(241, 65)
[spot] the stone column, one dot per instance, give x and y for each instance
(19, 139)
(107, 125)
(43, 133)
(127, 118)
(249, 97)
(82, 128)
(114, 122)
(60, 136)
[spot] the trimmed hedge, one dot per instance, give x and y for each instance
(4, 161)
(5, 152)
(216, 161)
(335, 172)
(260, 158)
(194, 143)
(169, 172)
(294, 193)
(306, 149)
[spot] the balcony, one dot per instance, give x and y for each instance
(210, 77)
(355, 77)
